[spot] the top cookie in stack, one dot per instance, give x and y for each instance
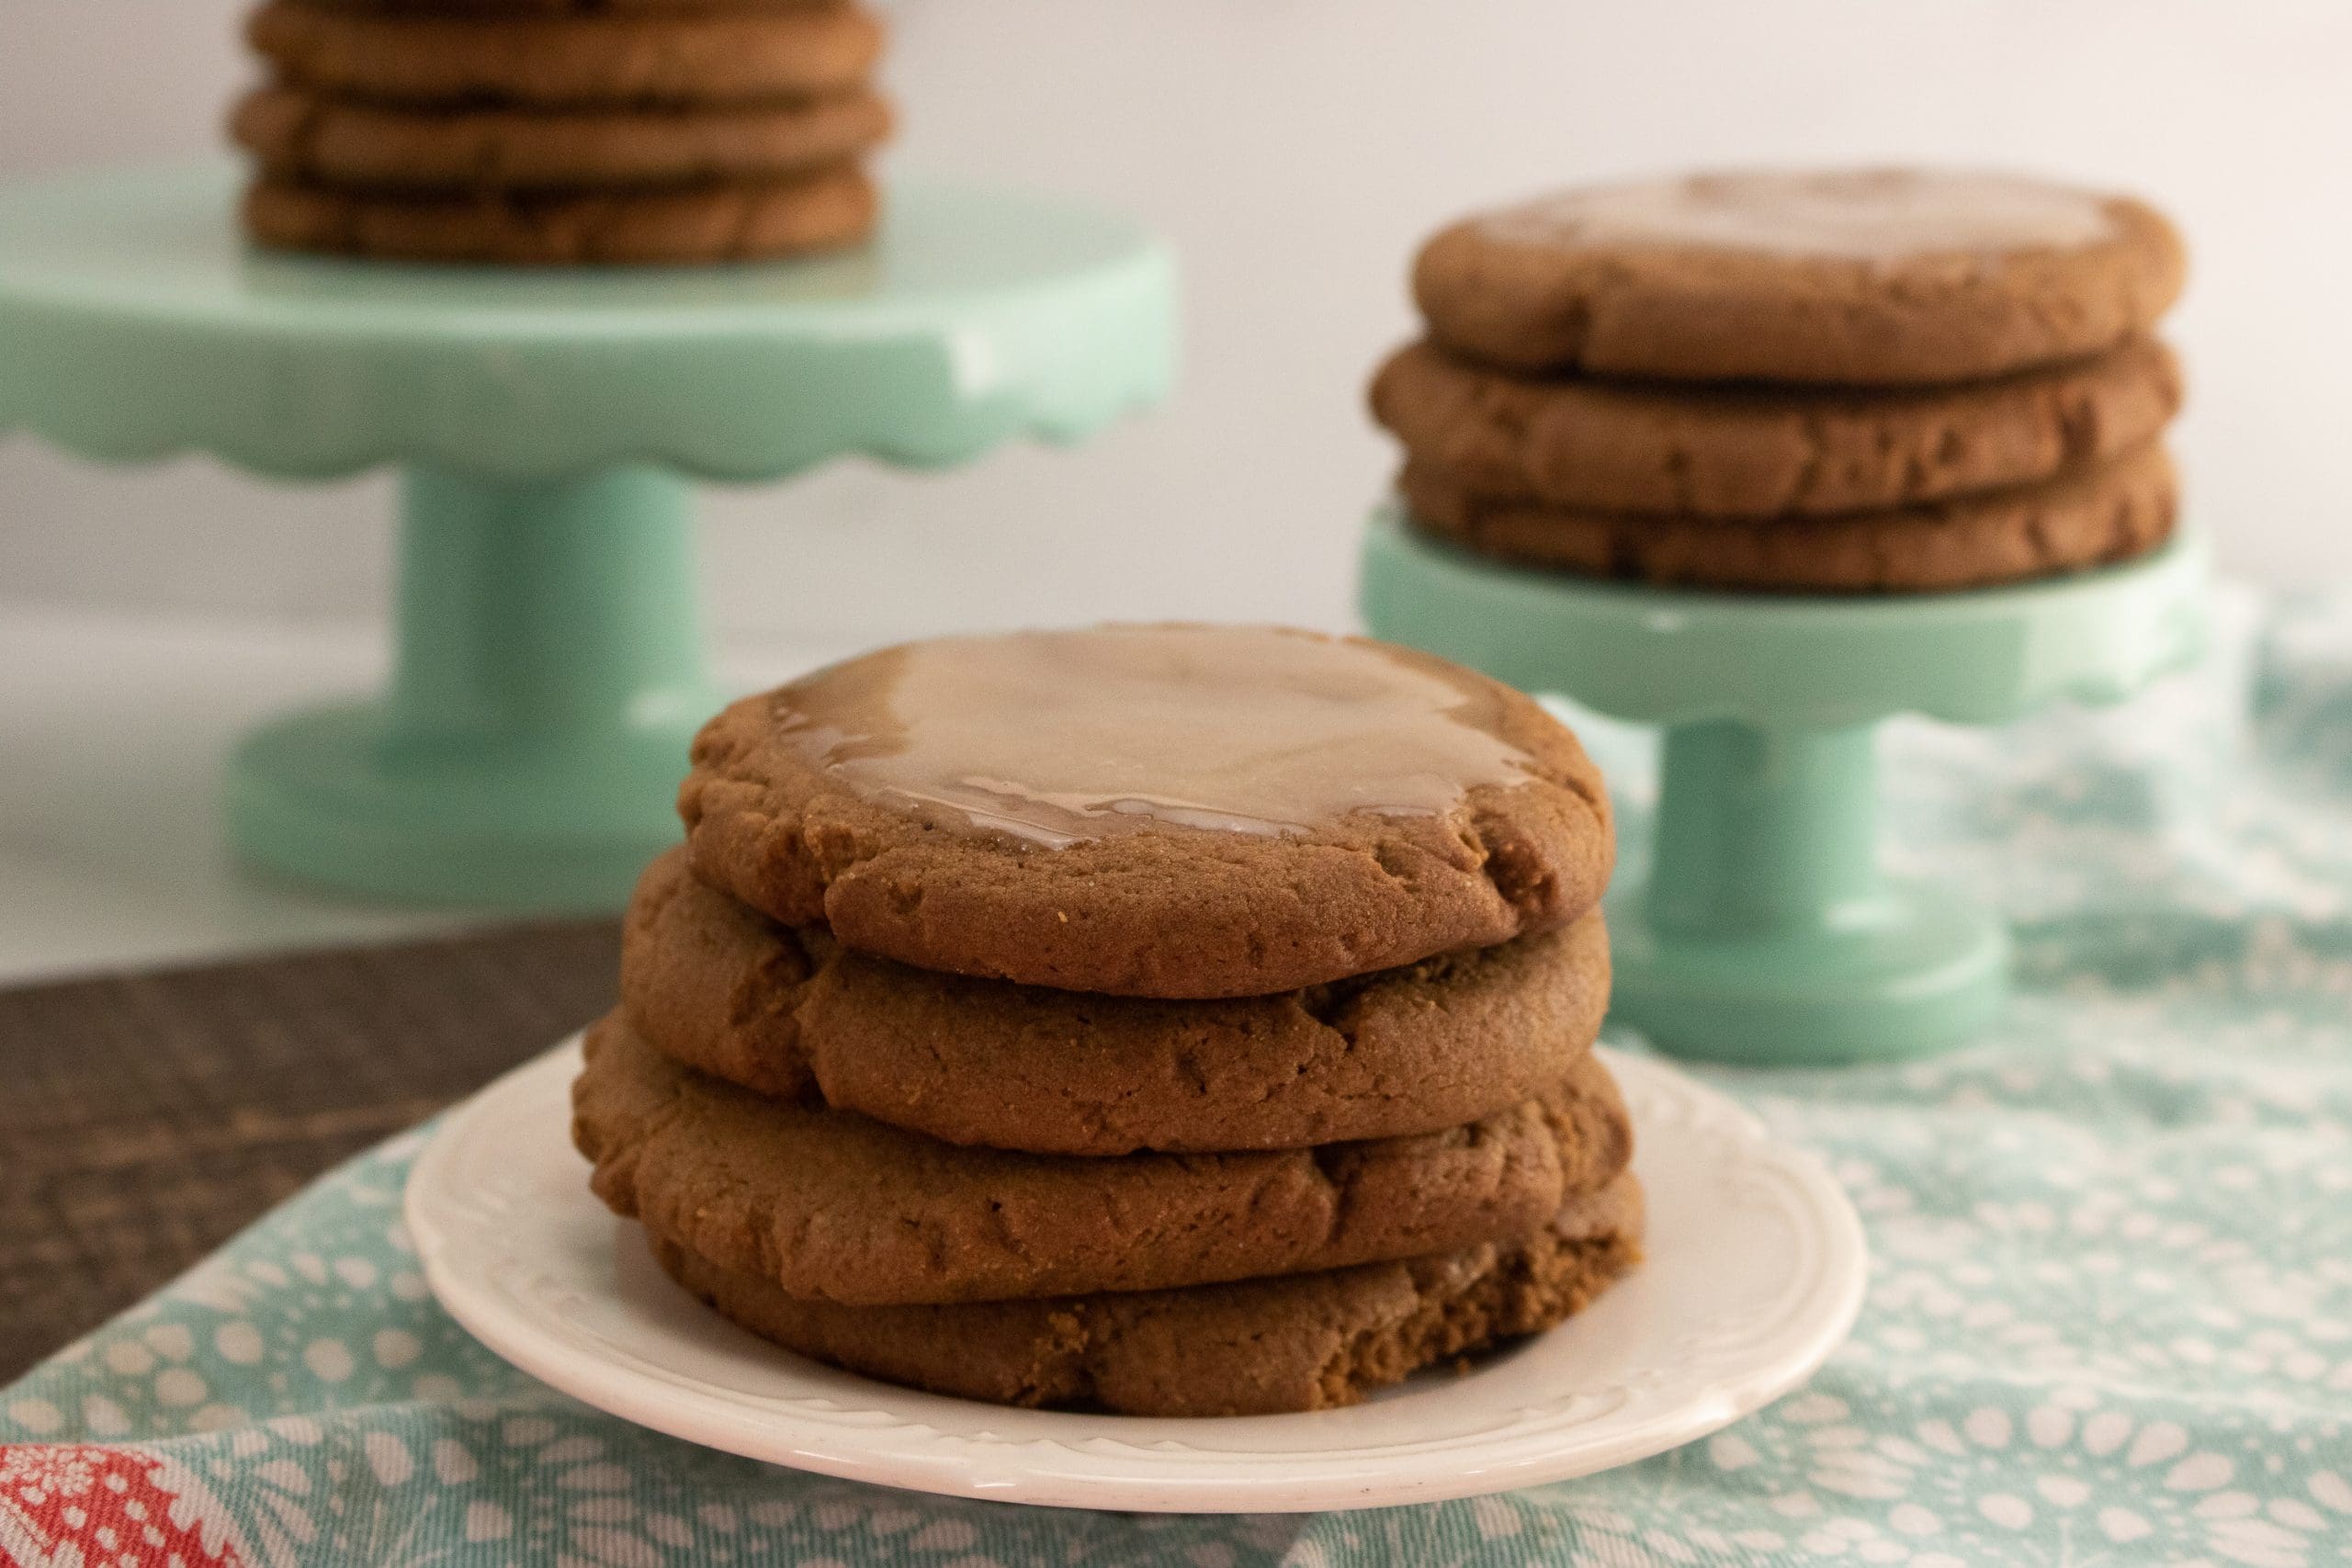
(1879, 380)
(555, 131)
(1173, 1019)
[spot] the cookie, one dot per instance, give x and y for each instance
(1260, 1348)
(562, 7)
(701, 58)
(1870, 278)
(732, 221)
(1757, 452)
(789, 1012)
(306, 137)
(834, 1206)
(2111, 512)
(1155, 811)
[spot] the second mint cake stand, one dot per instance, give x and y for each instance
(550, 667)
(1767, 932)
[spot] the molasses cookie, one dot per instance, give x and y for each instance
(1260, 1348)
(1868, 277)
(1153, 811)
(2110, 512)
(1708, 451)
(790, 1012)
(495, 9)
(555, 60)
(737, 220)
(830, 1206)
(301, 136)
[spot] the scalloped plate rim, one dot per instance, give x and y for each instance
(902, 393)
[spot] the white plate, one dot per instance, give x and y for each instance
(1755, 1273)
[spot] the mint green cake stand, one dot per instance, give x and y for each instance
(550, 668)
(1767, 932)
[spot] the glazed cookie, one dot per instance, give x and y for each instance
(1155, 811)
(2111, 512)
(732, 221)
(788, 1011)
(1260, 1348)
(702, 58)
(830, 1206)
(1870, 278)
(1755, 452)
(302, 136)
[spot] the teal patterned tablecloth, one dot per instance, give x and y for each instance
(2109, 1318)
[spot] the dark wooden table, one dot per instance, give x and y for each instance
(145, 1119)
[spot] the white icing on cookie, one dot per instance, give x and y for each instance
(1873, 215)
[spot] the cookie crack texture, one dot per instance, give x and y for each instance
(1814, 445)
(1754, 452)
(1393, 1052)
(2039, 540)
(1336, 1164)
(1538, 289)
(1520, 874)
(2116, 509)
(831, 1206)
(1300, 1342)
(557, 61)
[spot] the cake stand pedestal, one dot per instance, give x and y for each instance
(550, 668)
(1767, 932)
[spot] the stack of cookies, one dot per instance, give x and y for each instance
(1874, 381)
(554, 132)
(1169, 1019)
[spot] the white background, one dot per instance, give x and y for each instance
(1295, 150)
